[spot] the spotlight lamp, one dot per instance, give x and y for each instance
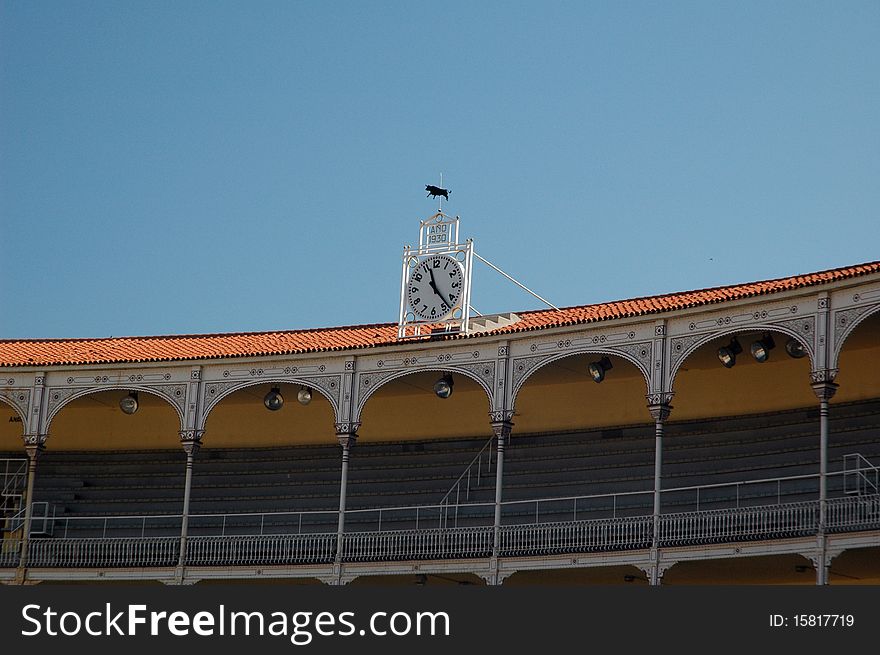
(597, 369)
(727, 354)
(274, 400)
(762, 347)
(129, 403)
(795, 348)
(443, 386)
(304, 397)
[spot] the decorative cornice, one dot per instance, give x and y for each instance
(640, 352)
(823, 375)
(35, 439)
(804, 326)
(500, 416)
(176, 393)
(502, 430)
(330, 384)
(681, 346)
(660, 412)
(824, 390)
(484, 371)
(844, 319)
(190, 435)
(522, 366)
(663, 398)
(19, 398)
(347, 428)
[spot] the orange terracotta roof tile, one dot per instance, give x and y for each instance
(56, 352)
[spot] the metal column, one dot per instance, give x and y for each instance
(347, 436)
(34, 447)
(824, 390)
(191, 442)
(502, 431)
(660, 412)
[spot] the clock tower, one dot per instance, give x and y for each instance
(435, 281)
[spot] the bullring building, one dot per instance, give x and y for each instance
(725, 435)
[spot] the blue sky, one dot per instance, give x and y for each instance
(191, 167)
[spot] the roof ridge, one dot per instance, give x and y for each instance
(723, 287)
(158, 348)
(203, 335)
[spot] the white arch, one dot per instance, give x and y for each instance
(768, 327)
(439, 368)
(848, 330)
(646, 376)
(305, 382)
(117, 387)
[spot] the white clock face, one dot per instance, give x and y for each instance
(435, 287)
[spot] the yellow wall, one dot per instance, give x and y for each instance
(704, 388)
(11, 429)
(241, 420)
(407, 408)
(95, 422)
(562, 396)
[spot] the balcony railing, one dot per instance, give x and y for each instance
(104, 553)
(243, 550)
(577, 536)
(846, 514)
(776, 508)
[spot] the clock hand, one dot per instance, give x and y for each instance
(436, 289)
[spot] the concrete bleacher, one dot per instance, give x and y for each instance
(608, 461)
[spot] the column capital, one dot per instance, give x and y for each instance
(35, 441)
(824, 390)
(191, 435)
(501, 416)
(346, 433)
(502, 430)
(191, 440)
(659, 405)
(823, 375)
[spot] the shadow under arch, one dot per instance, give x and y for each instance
(403, 405)
(237, 417)
(805, 340)
(705, 389)
(849, 325)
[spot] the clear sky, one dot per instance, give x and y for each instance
(189, 167)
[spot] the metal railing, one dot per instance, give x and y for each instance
(738, 524)
(577, 536)
(241, 550)
(845, 514)
(433, 543)
(859, 475)
(42, 519)
(853, 513)
(722, 512)
(9, 550)
(104, 553)
(13, 473)
(472, 474)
